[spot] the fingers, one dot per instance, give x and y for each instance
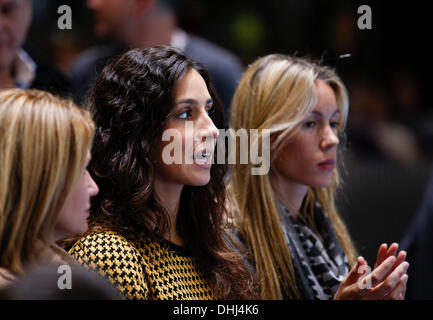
(385, 252)
(400, 258)
(392, 250)
(399, 290)
(381, 254)
(403, 295)
(394, 284)
(353, 275)
(378, 274)
(349, 288)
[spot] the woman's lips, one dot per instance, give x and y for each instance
(327, 165)
(203, 165)
(203, 159)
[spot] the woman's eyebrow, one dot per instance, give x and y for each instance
(192, 101)
(186, 101)
(320, 114)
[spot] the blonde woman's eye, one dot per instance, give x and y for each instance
(335, 124)
(310, 124)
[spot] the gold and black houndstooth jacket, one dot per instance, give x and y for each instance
(143, 269)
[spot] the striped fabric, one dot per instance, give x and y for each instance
(323, 261)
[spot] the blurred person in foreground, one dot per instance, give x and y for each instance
(47, 282)
(132, 24)
(45, 188)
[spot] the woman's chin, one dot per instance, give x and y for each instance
(199, 180)
(321, 184)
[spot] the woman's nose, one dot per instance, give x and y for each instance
(207, 129)
(329, 138)
(93, 187)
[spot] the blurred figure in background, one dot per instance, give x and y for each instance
(418, 243)
(373, 134)
(17, 68)
(146, 23)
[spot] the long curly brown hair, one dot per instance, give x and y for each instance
(131, 100)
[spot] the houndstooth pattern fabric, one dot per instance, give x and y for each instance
(323, 261)
(144, 270)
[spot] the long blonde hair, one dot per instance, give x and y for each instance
(44, 142)
(277, 92)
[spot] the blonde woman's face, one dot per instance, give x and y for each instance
(310, 156)
(73, 217)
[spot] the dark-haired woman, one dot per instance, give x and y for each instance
(156, 230)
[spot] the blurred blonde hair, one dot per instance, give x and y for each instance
(277, 92)
(44, 142)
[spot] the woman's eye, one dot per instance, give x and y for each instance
(310, 124)
(335, 124)
(209, 110)
(185, 114)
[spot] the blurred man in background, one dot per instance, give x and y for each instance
(144, 23)
(17, 68)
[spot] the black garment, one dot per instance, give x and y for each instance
(418, 243)
(88, 66)
(48, 78)
(51, 80)
(225, 70)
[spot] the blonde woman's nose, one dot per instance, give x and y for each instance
(93, 187)
(329, 138)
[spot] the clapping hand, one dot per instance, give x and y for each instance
(386, 281)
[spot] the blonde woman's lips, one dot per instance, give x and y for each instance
(327, 165)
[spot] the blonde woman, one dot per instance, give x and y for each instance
(287, 218)
(45, 188)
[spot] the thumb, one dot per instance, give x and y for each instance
(353, 274)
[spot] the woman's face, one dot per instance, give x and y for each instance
(309, 157)
(72, 218)
(194, 134)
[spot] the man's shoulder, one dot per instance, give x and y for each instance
(93, 59)
(206, 51)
